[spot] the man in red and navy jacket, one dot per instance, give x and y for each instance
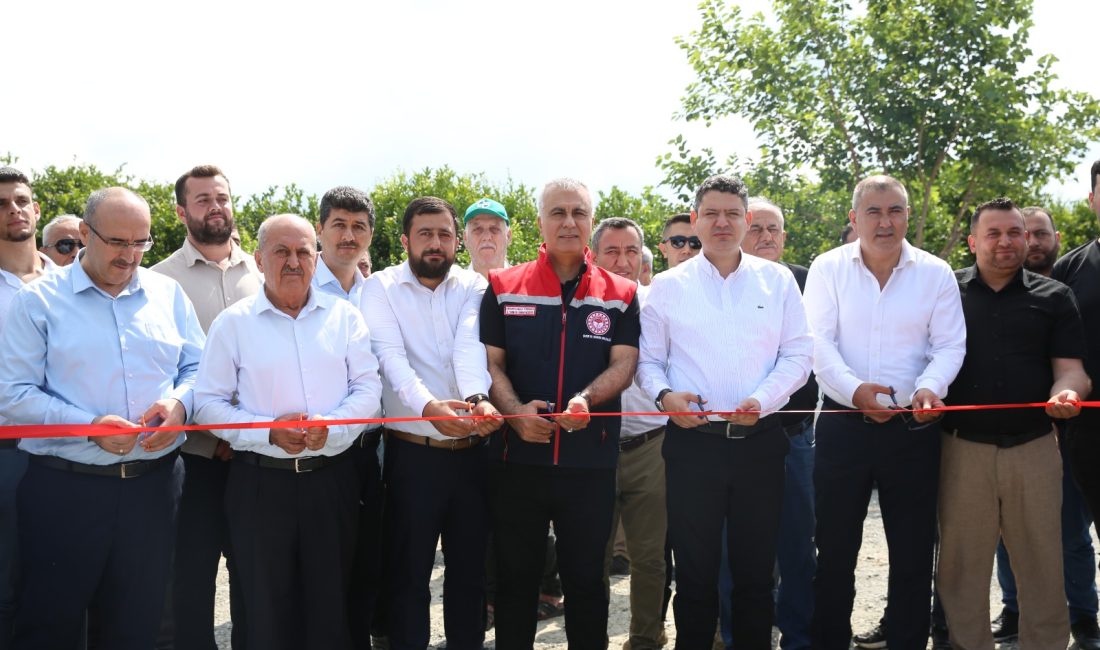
(561, 336)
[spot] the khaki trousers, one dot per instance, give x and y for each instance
(1016, 493)
(640, 505)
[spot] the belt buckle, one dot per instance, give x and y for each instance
(122, 471)
(299, 469)
(454, 444)
(731, 432)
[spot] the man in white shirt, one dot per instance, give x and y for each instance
(729, 467)
(888, 334)
(423, 317)
(61, 239)
(640, 476)
(290, 354)
(345, 229)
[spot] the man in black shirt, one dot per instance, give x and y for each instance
(1001, 470)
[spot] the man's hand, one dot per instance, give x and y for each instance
(292, 441)
(446, 408)
(864, 400)
(532, 429)
(681, 402)
(120, 444)
(492, 420)
(163, 412)
(223, 451)
(926, 399)
(1064, 404)
(575, 415)
(747, 414)
(316, 436)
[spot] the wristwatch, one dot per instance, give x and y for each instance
(587, 401)
(477, 398)
(661, 396)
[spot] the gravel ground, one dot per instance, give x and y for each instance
(870, 598)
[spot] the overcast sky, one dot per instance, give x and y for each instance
(324, 93)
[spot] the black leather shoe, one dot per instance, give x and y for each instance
(1006, 627)
(940, 640)
(1086, 634)
(873, 640)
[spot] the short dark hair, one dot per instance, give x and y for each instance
(1001, 203)
(1093, 174)
(199, 171)
(845, 231)
(1033, 210)
(347, 198)
(12, 175)
(722, 183)
(427, 205)
(683, 217)
(615, 223)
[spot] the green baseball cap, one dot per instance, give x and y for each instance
(486, 206)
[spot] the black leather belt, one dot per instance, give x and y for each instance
(296, 465)
(733, 431)
(830, 404)
(451, 444)
(132, 469)
(796, 428)
(9, 443)
(633, 442)
(368, 438)
(1002, 440)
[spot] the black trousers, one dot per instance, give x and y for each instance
(524, 499)
(433, 492)
(853, 455)
(202, 538)
(366, 572)
(712, 480)
(1084, 460)
(98, 544)
(293, 536)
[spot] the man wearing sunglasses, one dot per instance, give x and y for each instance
(1001, 472)
(887, 321)
(61, 239)
(678, 241)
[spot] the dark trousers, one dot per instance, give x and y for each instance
(551, 583)
(293, 536)
(432, 492)
(13, 464)
(712, 480)
(853, 455)
(94, 543)
(202, 538)
(366, 572)
(1084, 458)
(523, 500)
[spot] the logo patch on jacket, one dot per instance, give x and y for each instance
(598, 322)
(519, 310)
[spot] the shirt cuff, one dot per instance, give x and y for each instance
(185, 395)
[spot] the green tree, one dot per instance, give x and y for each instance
(943, 94)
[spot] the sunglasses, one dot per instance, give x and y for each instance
(678, 242)
(66, 246)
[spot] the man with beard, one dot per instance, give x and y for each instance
(61, 239)
(423, 318)
(214, 273)
(19, 263)
(488, 235)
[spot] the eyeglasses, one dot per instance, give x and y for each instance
(66, 246)
(906, 415)
(142, 245)
(678, 242)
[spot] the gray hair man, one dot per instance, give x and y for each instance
(61, 239)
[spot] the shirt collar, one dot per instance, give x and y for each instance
(316, 300)
(15, 282)
(1023, 279)
(908, 256)
(406, 275)
(323, 275)
(192, 256)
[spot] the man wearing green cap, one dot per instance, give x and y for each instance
(487, 236)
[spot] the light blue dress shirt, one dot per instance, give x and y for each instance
(325, 280)
(73, 353)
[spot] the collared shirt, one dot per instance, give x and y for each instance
(319, 363)
(910, 334)
(426, 341)
(1016, 332)
(325, 280)
(211, 289)
(11, 283)
(726, 339)
(73, 353)
(635, 399)
(1079, 270)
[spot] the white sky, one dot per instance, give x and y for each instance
(324, 93)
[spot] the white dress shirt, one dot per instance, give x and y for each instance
(73, 353)
(426, 341)
(325, 280)
(635, 399)
(911, 334)
(10, 284)
(319, 363)
(726, 339)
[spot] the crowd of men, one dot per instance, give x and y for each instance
(775, 399)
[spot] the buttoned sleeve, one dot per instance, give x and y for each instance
(653, 346)
(388, 344)
(216, 385)
(946, 336)
(470, 361)
(794, 357)
(822, 311)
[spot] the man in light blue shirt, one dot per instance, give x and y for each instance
(101, 341)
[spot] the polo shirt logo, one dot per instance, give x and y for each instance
(598, 322)
(520, 310)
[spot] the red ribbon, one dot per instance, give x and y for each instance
(74, 430)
